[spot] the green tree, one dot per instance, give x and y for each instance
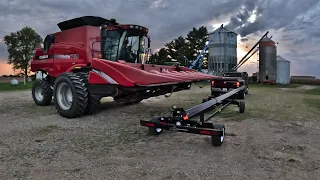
(21, 46)
(177, 49)
(196, 38)
(191, 47)
(160, 57)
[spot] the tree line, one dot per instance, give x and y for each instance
(189, 46)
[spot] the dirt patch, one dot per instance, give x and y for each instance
(276, 138)
(307, 87)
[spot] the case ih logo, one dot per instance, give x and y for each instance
(44, 57)
(74, 56)
(58, 56)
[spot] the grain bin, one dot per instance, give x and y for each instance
(283, 71)
(222, 51)
(267, 60)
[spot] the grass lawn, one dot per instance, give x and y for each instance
(274, 86)
(315, 91)
(6, 86)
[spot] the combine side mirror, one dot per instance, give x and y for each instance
(149, 41)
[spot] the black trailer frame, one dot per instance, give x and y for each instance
(180, 120)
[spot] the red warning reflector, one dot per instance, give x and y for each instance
(150, 125)
(185, 117)
(162, 123)
(214, 133)
(205, 132)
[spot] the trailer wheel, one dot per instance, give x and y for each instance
(93, 101)
(71, 95)
(42, 93)
(153, 130)
(242, 106)
(242, 94)
(217, 140)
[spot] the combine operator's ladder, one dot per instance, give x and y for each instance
(206, 46)
(245, 58)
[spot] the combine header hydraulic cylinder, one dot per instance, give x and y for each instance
(180, 119)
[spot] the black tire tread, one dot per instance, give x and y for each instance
(93, 101)
(242, 94)
(215, 140)
(47, 92)
(242, 106)
(81, 92)
(152, 130)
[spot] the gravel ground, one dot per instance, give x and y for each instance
(276, 138)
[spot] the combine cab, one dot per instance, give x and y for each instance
(92, 57)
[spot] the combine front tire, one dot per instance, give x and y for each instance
(42, 93)
(71, 95)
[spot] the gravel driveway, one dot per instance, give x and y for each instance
(276, 138)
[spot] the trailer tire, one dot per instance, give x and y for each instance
(42, 93)
(153, 130)
(67, 86)
(93, 101)
(217, 140)
(242, 106)
(215, 94)
(242, 94)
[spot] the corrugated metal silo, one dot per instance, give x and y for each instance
(283, 71)
(222, 55)
(267, 60)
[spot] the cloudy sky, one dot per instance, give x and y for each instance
(294, 24)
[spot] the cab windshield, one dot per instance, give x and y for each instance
(123, 45)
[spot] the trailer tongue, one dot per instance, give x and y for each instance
(181, 119)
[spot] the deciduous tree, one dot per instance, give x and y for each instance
(21, 47)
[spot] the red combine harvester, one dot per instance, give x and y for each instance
(93, 57)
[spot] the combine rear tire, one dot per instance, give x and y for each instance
(93, 101)
(71, 95)
(42, 93)
(217, 140)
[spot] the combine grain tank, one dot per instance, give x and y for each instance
(283, 71)
(267, 60)
(222, 51)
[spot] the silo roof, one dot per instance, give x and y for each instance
(224, 30)
(279, 58)
(267, 39)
